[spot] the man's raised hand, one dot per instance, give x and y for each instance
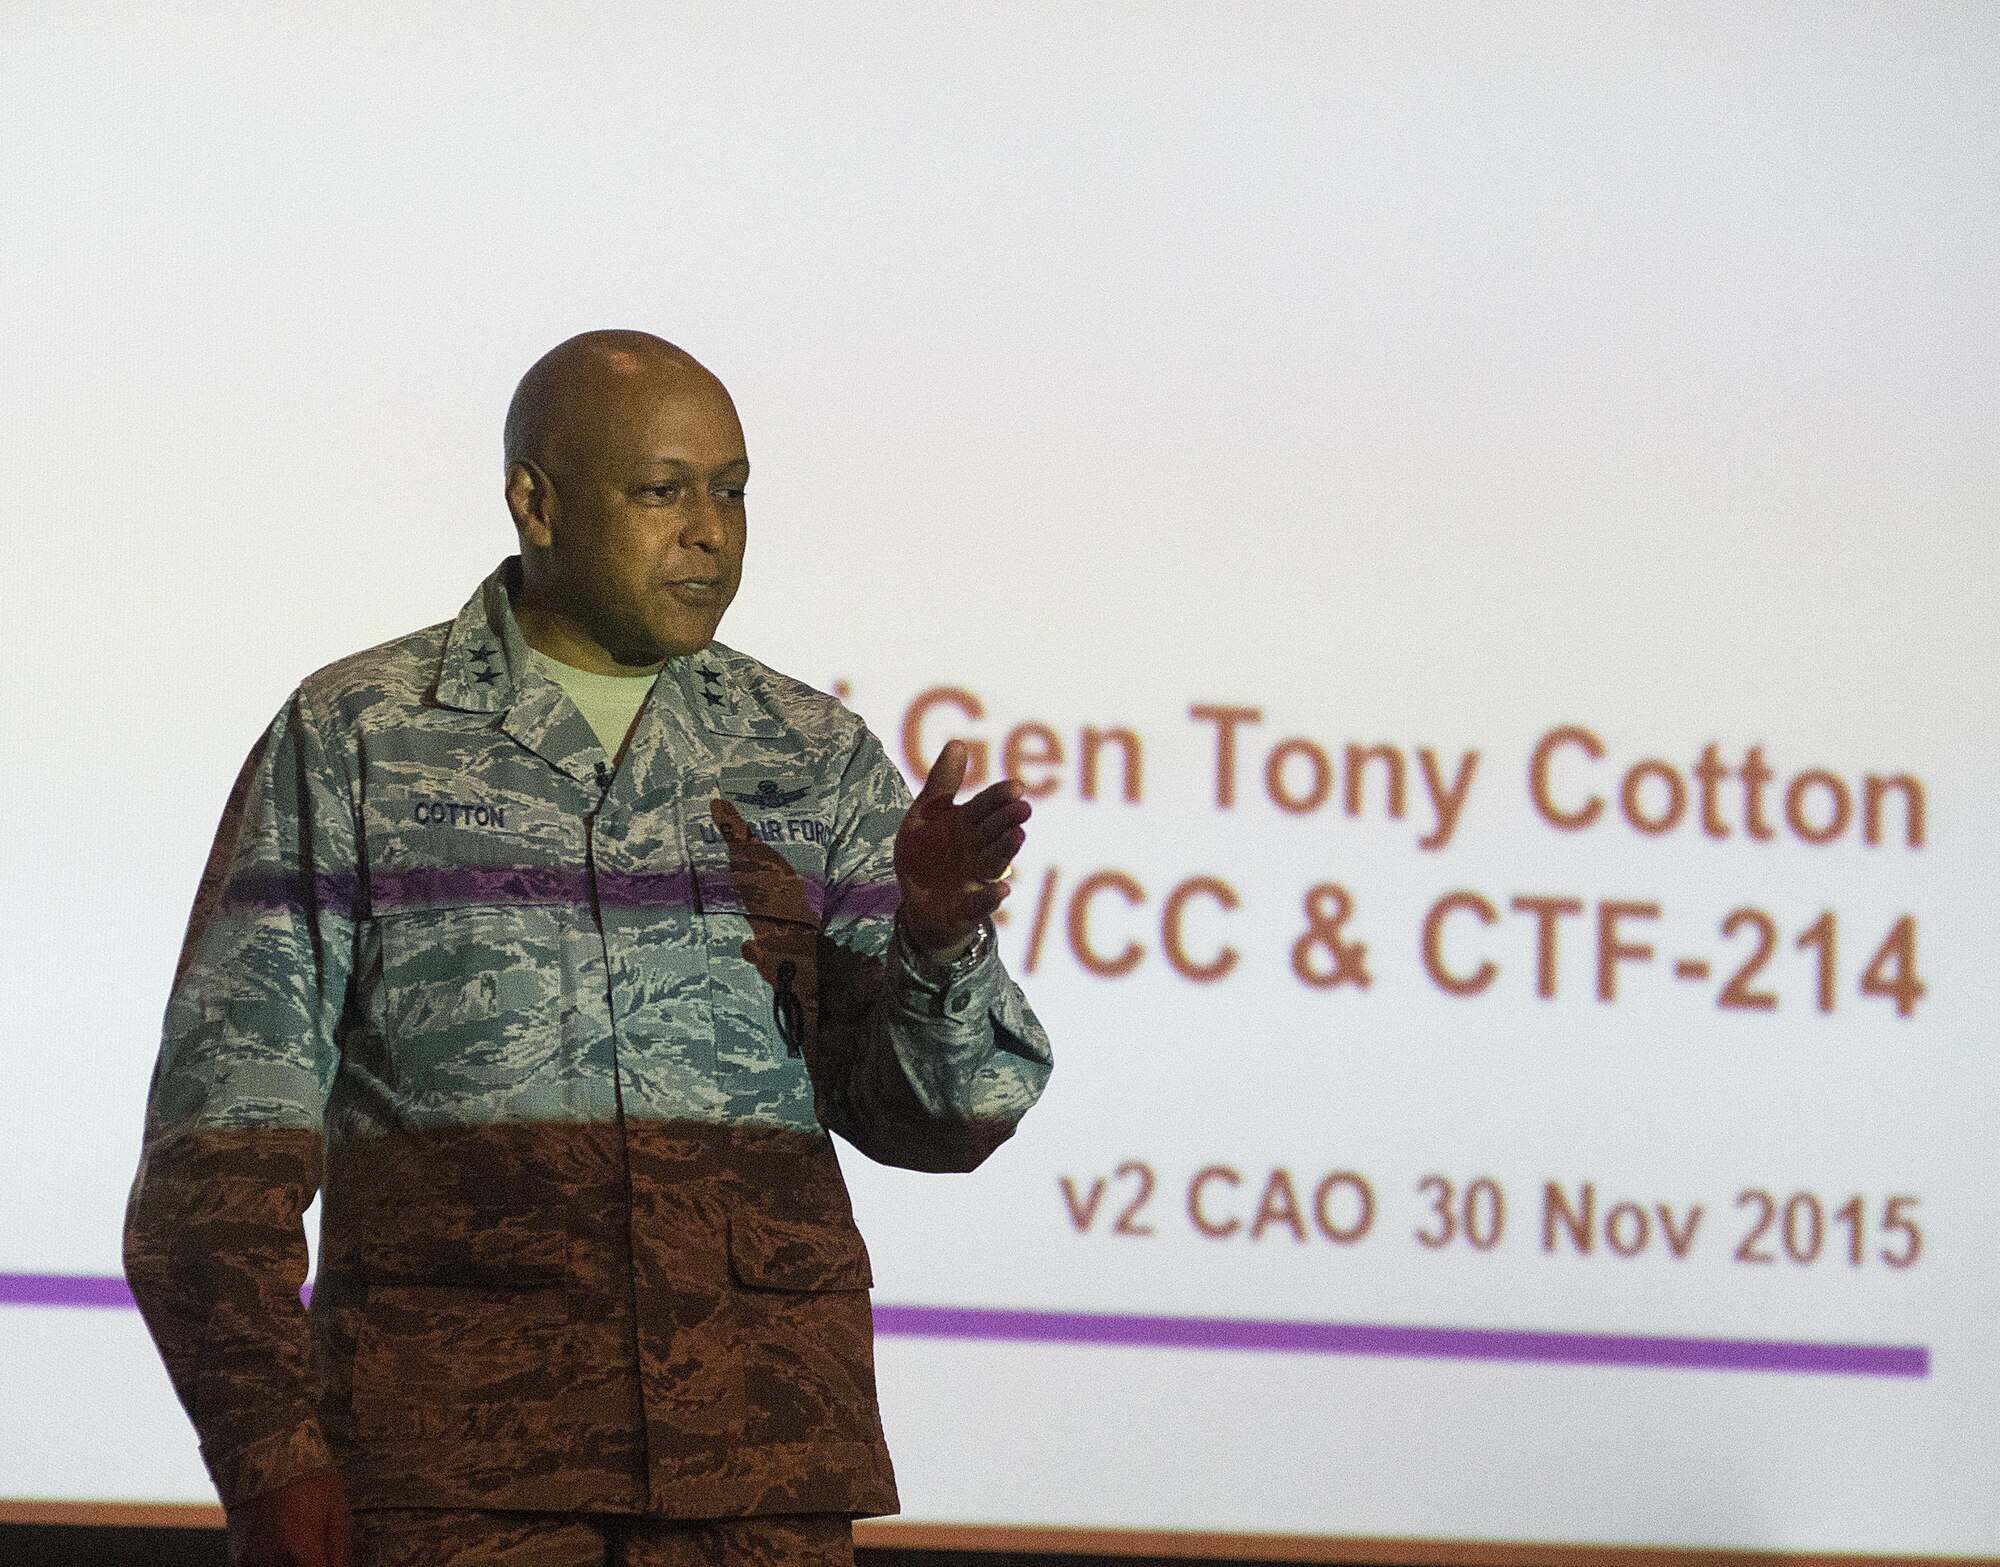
(951, 860)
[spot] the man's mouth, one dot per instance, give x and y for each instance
(695, 590)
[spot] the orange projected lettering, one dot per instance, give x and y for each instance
(1300, 774)
(1570, 790)
(1110, 759)
(1803, 1231)
(1467, 944)
(1322, 928)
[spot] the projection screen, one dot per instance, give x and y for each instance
(1476, 524)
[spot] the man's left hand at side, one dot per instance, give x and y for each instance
(951, 859)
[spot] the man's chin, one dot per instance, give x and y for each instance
(676, 641)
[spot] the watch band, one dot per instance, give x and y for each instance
(945, 975)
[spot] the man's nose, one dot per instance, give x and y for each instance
(702, 525)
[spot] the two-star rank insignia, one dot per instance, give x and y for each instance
(482, 658)
(711, 687)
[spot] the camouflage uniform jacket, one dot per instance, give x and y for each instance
(560, 1045)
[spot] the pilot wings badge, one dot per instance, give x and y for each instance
(767, 796)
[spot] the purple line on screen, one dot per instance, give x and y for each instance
(62, 1289)
(1242, 1333)
(1360, 1338)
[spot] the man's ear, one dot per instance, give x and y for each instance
(532, 500)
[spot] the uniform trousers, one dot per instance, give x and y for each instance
(453, 1537)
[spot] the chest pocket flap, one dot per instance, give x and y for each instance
(763, 860)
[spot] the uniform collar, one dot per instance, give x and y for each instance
(484, 667)
(484, 659)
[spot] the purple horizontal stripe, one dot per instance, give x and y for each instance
(62, 1289)
(454, 886)
(1360, 1338)
(270, 893)
(76, 1289)
(1242, 1333)
(794, 896)
(867, 900)
(428, 885)
(501, 886)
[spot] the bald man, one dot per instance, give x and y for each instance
(547, 945)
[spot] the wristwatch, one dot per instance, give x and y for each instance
(945, 975)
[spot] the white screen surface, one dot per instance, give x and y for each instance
(1434, 380)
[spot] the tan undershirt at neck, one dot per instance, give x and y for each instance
(610, 702)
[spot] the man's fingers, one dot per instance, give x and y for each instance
(991, 860)
(1007, 792)
(983, 898)
(998, 824)
(946, 775)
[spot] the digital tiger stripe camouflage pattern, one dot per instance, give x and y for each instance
(561, 1044)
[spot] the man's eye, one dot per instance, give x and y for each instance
(664, 492)
(730, 493)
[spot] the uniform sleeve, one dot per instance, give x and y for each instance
(913, 1073)
(214, 1246)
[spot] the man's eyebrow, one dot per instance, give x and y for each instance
(682, 465)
